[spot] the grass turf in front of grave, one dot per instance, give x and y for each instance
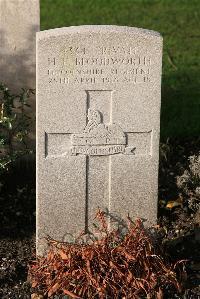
(177, 21)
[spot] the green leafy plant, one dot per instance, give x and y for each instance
(14, 126)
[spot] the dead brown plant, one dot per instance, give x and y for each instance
(112, 266)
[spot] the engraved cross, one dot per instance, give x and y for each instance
(100, 140)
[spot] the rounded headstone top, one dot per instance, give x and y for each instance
(98, 29)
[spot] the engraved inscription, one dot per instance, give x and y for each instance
(78, 65)
(116, 50)
(99, 139)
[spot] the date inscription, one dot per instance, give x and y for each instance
(75, 65)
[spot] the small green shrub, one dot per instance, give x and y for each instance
(14, 126)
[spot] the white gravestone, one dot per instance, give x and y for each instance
(98, 116)
(19, 22)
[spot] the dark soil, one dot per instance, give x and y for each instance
(179, 233)
(17, 229)
(14, 258)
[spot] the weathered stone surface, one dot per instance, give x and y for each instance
(19, 22)
(98, 115)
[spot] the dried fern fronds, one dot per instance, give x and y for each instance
(110, 267)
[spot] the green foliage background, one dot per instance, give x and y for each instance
(179, 23)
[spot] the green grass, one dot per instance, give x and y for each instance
(178, 22)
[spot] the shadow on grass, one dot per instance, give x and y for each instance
(180, 112)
